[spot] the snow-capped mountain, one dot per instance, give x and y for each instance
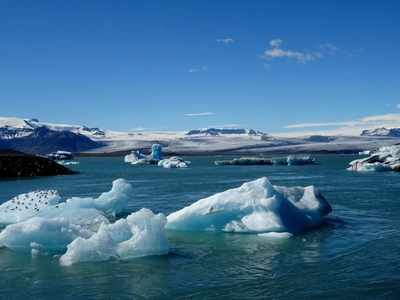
(393, 132)
(33, 136)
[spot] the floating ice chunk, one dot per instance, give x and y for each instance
(99, 247)
(279, 235)
(173, 162)
(298, 159)
(256, 207)
(245, 161)
(41, 236)
(82, 211)
(301, 159)
(137, 158)
(385, 159)
(140, 234)
(279, 161)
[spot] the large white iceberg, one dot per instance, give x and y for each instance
(81, 228)
(255, 207)
(140, 234)
(384, 159)
(87, 212)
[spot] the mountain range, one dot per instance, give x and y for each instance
(33, 136)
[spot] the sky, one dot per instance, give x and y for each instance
(278, 67)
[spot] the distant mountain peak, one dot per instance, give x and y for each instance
(218, 131)
(393, 132)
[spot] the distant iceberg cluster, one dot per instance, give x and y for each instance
(299, 159)
(86, 229)
(384, 159)
(136, 158)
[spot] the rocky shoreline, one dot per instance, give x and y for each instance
(15, 164)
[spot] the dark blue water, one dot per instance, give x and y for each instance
(354, 254)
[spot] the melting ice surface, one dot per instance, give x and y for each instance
(384, 159)
(84, 229)
(173, 162)
(256, 207)
(80, 228)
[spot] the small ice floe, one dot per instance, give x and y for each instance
(295, 159)
(173, 162)
(384, 159)
(255, 207)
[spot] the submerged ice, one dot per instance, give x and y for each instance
(256, 207)
(86, 229)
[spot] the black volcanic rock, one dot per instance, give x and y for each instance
(44, 140)
(14, 164)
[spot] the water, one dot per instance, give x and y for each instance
(354, 254)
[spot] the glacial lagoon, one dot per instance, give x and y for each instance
(353, 253)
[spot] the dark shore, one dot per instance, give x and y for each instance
(15, 164)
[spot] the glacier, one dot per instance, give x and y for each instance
(87, 229)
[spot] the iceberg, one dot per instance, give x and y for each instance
(385, 159)
(80, 228)
(255, 207)
(295, 159)
(173, 162)
(140, 234)
(137, 158)
(87, 212)
(303, 159)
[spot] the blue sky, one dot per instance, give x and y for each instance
(272, 66)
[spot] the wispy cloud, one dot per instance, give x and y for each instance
(196, 70)
(225, 41)
(369, 121)
(226, 126)
(199, 114)
(144, 128)
(302, 57)
(398, 106)
(351, 127)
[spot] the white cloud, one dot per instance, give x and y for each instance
(199, 114)
(301, 57)
(331, 49)
(144, 128)
(225, 41)
(352, 126)
(196, 70)
(275, 43)
(398, 106)
(376, 120)
(226, 126)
